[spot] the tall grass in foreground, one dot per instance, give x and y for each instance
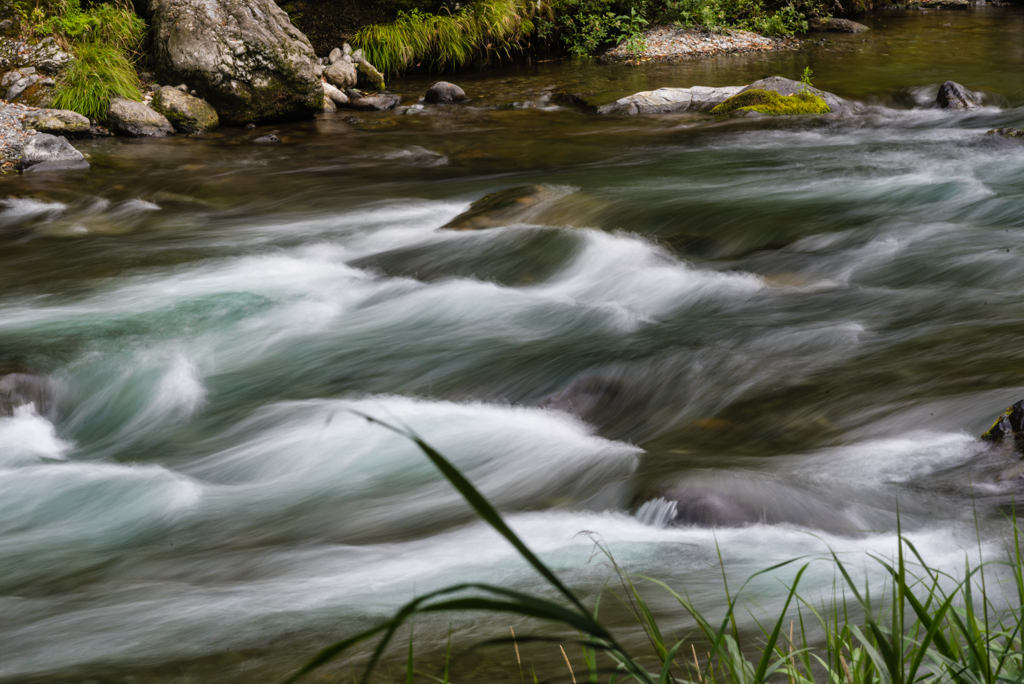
(446, 41)
(928, 626)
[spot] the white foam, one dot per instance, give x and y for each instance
(27, 438)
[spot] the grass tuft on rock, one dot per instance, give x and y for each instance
(770, 102)
(104, 39)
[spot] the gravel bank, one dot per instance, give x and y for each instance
(668, 45)
(12, 136)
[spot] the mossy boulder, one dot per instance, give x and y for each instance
(58, 122)
(244, 57)
(770, 102)
(186, 113)
(1008, 429)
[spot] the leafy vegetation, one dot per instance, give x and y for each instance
(490, 29)
(103, 38)
(930, 626)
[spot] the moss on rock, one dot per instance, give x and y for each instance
(770, 102)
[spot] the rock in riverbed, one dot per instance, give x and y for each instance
(1017, 133)
(45, 152)
(58, 122)
(504, 207)
(136, 120)
(187, 114)
(377, 102)
(952, 95)
(837, 26)
(669, 100)
(786, 86)
(21, 389)
(341, 74)
(244, 57)
(444, 92)
(1008, 429)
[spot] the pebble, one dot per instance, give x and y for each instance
(669, 45)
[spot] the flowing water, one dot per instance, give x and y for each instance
(815, 318)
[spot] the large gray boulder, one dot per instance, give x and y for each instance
(51, 153)
(244, 57)
(186, 113)
(670, 100)
(58, 122)
(952, 95)
(136, 120)
(786, 86)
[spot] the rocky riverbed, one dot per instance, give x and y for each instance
(667, 44)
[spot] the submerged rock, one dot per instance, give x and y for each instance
(669, 100)
(58, 122)
(443, 91)
(952, 95)
(22, 389)
(377, 102)
(702, 507)
(137, 120)
(244, 57)
(1017, 133)
(834, 25)
(573, 101)
(503, 207)
(186, 113)
(1008, 429)
(590, 397)
(45, 152)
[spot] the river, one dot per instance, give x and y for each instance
(817, 317)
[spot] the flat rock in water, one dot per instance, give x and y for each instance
(443, 91)
(54, 150)
(669, 100)
(377, 102)
(58, 122)
(504, 207)
(837, 26)
(186, 113)
(269, 139)
(137, 120)
(952, 95)
(786, 86)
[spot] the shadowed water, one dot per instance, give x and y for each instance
(812, 318)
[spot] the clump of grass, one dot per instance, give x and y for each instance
(930, 626)
(443, 41)
(103, 38)
(770, 102)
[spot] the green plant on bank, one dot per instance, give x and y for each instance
(103, 38)
(447, 41)
(582, 27)
(931, 627)
(770, 102)
(770, 19)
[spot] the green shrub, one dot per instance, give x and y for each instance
(770, 102)
(103, 38)
(773, 19)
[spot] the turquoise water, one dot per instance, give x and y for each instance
(815, 317)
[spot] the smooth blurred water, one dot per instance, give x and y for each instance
(817, 317)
